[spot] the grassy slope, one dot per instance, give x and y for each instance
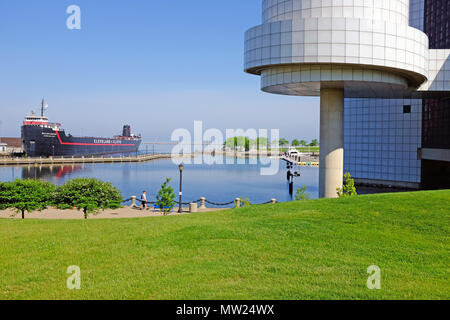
(311, 250)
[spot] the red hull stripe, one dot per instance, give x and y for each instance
(90, 144)
(34, 123)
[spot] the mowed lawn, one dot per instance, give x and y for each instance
(317, 249)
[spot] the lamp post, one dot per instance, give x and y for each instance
(290, 177)
(180, 209)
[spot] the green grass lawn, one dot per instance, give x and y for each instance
(317, 249)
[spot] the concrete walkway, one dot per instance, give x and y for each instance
(71, 160)
(55, 214)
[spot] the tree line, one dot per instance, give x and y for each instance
(86, 194)
(247, 144)
(299, 143)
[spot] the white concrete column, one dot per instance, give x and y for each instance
(331, 142)
(193, 207)
(202, 203)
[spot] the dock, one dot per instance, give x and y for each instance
(302, 161)
(73, 160)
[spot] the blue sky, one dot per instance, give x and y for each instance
(157, 65)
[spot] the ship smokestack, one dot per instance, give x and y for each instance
(126, 131)
(44, 107)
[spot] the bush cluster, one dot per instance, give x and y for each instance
(86, 194)
(348, 189)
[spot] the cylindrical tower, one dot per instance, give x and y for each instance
(332, 49)
(395, 11)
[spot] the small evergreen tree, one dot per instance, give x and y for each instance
(165, 199)
(348, 189)
(245, 201)
(301, 194)
(89, 195)
(26, 195)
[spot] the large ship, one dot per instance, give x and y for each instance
(44, 139)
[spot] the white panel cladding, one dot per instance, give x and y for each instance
(380, 141)
(438, 71)
(375, 147)
(338, 40)
(394, 11)
(374, 36)
(307, 80)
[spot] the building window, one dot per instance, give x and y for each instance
(407, 109)
(436, 18)
(436, 123)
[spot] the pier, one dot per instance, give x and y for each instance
(302, 160)
(71, 160)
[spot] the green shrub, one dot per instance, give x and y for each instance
(301, 194)
(88, 194)
(245, 202)
(165, 199)
(26, 195)
(348, 189)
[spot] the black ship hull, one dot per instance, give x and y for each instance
(46, 142)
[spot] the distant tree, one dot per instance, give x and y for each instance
(301, 194)
(88, 194)
(348, 189)
(238, 142)
(231, 143)
(303, 143)
(314, 143)
(242, 142)
(165, 199)
(246, 144)
(259, 143)
(295, 143)
(283, 142)
(26, 195)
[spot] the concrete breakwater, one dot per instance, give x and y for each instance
(70, 160)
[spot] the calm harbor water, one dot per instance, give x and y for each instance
(218, 183)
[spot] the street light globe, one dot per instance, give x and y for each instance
(181, 167)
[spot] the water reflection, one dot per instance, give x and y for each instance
(219, 183)
(48, 173)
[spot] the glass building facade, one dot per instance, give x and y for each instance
(436, 111)
(381, 140)
(436, 123)
(384, 137)
(381, 66)
(436, 24)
